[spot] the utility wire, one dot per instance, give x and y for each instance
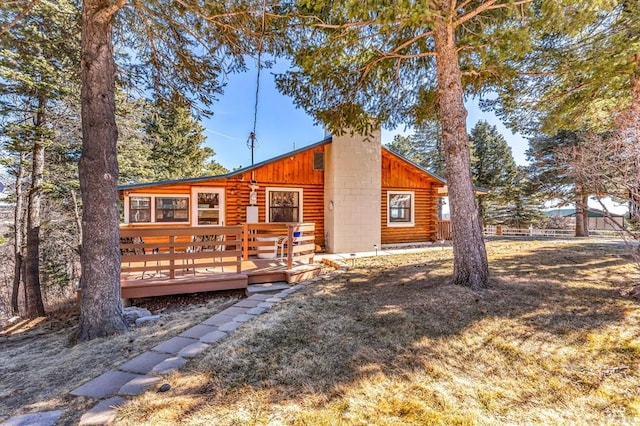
(252, 136)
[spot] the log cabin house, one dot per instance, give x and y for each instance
(359, 195)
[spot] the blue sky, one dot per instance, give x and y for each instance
(281, 127)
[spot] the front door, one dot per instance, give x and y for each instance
(208, 206)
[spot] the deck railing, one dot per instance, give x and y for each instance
(173, 251)
(293, 241)
(167, 250)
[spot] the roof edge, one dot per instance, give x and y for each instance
(418, 166)
(225, 175)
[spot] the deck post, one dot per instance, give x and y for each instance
(242, 242)
(245, 241)
(290, 246)
(172, 271)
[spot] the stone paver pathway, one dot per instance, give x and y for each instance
(47, 418)
(145, 370)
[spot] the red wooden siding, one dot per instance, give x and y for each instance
(295, 171)
(398, 175)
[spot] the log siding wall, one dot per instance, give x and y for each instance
(398, 175)
(297, 171)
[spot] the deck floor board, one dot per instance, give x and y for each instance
(253, 271)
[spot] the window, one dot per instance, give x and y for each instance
(208, 206)
(284, 205)
(318, 160)
(151, 209)
(401, 208)
(172, 209)
(139, 209)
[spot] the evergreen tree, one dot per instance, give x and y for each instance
(402, 145)
(394, 62)
(176, 140)
(62, 226)
(14, 161)
(60, 230)
(423, 147)
(591, 78)
(134, 149)
(519, 204)
(37, 64)
(577, 78)
(428, 139)
(179, 46)
(553, 176)
(492, 165)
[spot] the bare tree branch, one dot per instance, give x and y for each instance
(489, 5)
(107, 13)
(19, 17)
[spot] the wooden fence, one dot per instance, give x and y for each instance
(552, 233)
(443, 230)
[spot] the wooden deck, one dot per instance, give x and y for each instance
(163, 261)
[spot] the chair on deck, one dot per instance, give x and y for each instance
(283, 243)
(209, 247)
(132, 250)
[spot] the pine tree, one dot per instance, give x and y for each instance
(181, 47)
(159, 40)
(393, 62)
(14, 161)
(423, 147)
(134, 150)
(492, 165)
(579, 77)
(519, 204)
(37, 63)
(176, 140)
(553, 176)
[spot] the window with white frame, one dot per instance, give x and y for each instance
(157, 209)
(139, 209)
(400, 209)
(284, 205)
(208, 206)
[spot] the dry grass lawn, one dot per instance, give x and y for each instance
(390, 342)
(39, 366)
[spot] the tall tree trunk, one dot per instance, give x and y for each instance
(35, 307)
(582, 213)
(100, 306)
(628, 126)
(15, 291)
(76, 272)
(585, 217)
(18, 233)
(470, 266)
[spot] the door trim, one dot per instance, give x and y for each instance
(194, 202)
